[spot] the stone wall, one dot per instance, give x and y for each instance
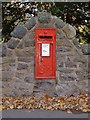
(18, 61)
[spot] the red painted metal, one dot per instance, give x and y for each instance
(45, 53)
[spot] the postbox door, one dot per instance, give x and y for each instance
(45, 65)
(45, 60)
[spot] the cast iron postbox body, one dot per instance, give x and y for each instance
(45, 53)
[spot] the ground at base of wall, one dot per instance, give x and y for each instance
(71, 104)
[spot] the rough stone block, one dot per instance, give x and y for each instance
(10, 53)
(12, 43)
(67, 76)
(63, 49)
(22, 66)
(24, 52)
(28, 43)
(79, 59)
(59, 23)
(30, 23)
(71, 64)
(3, 60)
(76, 43)
(71, 78)
(7, 92)
(29, 39)
(7, 75)
(11, 62)
(62, 57)
(86, 49)
(20, 45)
(24, 59)
(60, 34)
(20, 75)
(19, 31)
(66, 70)
(59, 65)
(45, 87)
(70, 31)
(67, 89)
(22, 88)
(64, 42)
(82, 75)
(5, 67)
(30, 78)
(63, 77)
(84, 66)
(82, 85)
(3, 50)
(44, 17)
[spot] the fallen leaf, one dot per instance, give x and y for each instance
(11, 106)
(69, 111)
(0, 108)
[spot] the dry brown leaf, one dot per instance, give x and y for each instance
(85, 110)
(78, 103)
(11, 106)
(68, 111)
(0, 108)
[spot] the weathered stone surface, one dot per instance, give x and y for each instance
(64, 43)
(82, 85)
(86, 49)
(71, 64)
(30, 78)
(66, 70)
(20, 74)
(12, 62)
(7, 92)
(60, 34)
(24, 59)
(21, 88)
(70, 31)
(19, 31)
(77, 59)
(28, 43)
(84, 66)
(59, 23)
(76, 43)
(12, 43)
(45, 87)
(60, 65)
(67, 89)
(44, 25)
(44, 17)
(38, 93)
(24, 52)
(81, 75)
(10, 53)
(29, 39)
(22, 66)
(3, 50)
(63, 49)
(7, 75)
(20, 45)
(62, 57)
(30, 23)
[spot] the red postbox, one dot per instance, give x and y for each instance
(45, 53)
